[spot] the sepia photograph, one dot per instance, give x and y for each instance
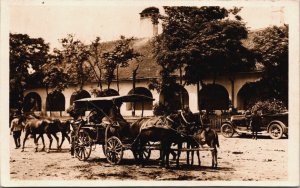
(141, 93)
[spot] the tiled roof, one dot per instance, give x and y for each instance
(148, 67)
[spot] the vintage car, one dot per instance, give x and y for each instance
(274, 125)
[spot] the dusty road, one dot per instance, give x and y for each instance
(241, 159)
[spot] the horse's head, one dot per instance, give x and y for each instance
(175, 122)
(200, 136)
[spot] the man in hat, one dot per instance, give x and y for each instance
(17, 125)
(255, 124)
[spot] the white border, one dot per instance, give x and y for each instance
(292, 9)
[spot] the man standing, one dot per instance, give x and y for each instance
(16, 127)
(255, 124)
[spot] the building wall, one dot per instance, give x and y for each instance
(126, 86)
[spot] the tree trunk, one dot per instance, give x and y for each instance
(198, 100)
(181, 89)
(100, 79)
(118, 78)
(48, 102)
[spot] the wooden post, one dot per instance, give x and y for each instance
(232, 92)
(134, 73)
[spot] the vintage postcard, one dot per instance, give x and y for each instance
(149, 93)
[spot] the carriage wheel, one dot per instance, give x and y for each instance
(227, 130)
(83, 146)
(146, 152)
(114, 150)
(275, 131)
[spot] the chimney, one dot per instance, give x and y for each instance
(149, 22)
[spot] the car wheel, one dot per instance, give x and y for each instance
(275, 131)
(227, 130)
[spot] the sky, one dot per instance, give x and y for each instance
(87, 21)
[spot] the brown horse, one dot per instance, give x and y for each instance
(197, 136)
(166, 130)
(49, 127)
(201, 138)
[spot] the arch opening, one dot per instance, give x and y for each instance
(107, 93)
(172, 97)
(79, 95)
(246, 95)
(55, 101)
(32, 102)
(214, 97)
(140, 105)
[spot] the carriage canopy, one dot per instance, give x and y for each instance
(107, 102)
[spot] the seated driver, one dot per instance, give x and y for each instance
(115, 115)
(95, 116)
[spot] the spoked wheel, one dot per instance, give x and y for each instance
(275, 131)
(227, 130)
(114, 150)
(83, 146)
(146, 152)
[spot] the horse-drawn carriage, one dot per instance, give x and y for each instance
(106, 126)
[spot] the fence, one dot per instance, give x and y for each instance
(216, 121)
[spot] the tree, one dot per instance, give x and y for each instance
(202, 40)
(75, 56)
(55, 76)
(118, 57)
(269, 106)
(272, 46)
(26, 56)
(95, 60)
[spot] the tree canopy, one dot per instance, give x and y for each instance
(75, 56)
(272, 46)
(26, 56)
(202, 40)
(119, 56)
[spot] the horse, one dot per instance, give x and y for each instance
(197, 136)
(166, 130)
(55, 126)
(201, 138)
(49, 127)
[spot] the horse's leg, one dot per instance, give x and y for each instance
(43, 140)
(215, 157)
(50, 141)
(198, 155)
(57, 140)
(193, 153)
(35, 142)
(188, 145)
(62, 139)
(68, 137)
(25, 138)
(162, 153)
(140, 152)
(179, 146)
(168, 149)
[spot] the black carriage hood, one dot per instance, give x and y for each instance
(104, 102)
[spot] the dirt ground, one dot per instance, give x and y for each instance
(240, 159)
